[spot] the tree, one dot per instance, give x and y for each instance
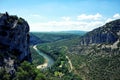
(27, 71)
(4, 75)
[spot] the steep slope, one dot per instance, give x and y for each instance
(35, 40)
(108, 34)
(97, 56)
(14, 42)
(94, 56)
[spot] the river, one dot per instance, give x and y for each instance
(48, 60)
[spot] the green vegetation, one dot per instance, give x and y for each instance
(28, 72)
(25, 71)
(91, 62)
(37, 59)
(61, 68)
(47, 37)
(56, 46)
(20, 21)
(96, 68)
(4, 75)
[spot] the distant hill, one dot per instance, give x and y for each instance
(35, 40)
(77, 32)
(47, 37)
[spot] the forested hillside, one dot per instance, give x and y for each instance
(48, 37)
(91, 60)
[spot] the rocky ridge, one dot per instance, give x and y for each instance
(108, 34)
(14, 41)
(98, 53)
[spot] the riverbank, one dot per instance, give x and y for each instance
(48, 60)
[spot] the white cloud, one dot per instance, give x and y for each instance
(65, 25)
(84, 22)
(89, 17)
(109, 19)
(116, 16)
(66, 18)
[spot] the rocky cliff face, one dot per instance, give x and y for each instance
(108, 34)
(99, 53)
(14, 40)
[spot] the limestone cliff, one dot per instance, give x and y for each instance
(14, 40)
(108, 34)
(98, 53)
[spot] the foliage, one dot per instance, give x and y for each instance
(4, 75)
(37, 59)
(97, 63)
(61, 68)
(20, 20)
(28, 72)
(91, 62)
(48, 37)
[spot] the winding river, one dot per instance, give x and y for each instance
(48, 60)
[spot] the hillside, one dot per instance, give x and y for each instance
(48, 37)
(35, 40)
(95, 55)
(108, 34)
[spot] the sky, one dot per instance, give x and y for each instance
(63, 15)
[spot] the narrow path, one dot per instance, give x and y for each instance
(48, 60)
(69, 61)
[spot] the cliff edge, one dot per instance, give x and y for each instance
(14, 41)
(108, 34)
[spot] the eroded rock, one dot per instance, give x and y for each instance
(14, 40)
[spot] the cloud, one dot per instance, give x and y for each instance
(108, 20)
(65, 25)
(115, 16)
(66, 18)
(89, 17)
(85, 23)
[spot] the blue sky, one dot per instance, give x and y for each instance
(61, 15)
